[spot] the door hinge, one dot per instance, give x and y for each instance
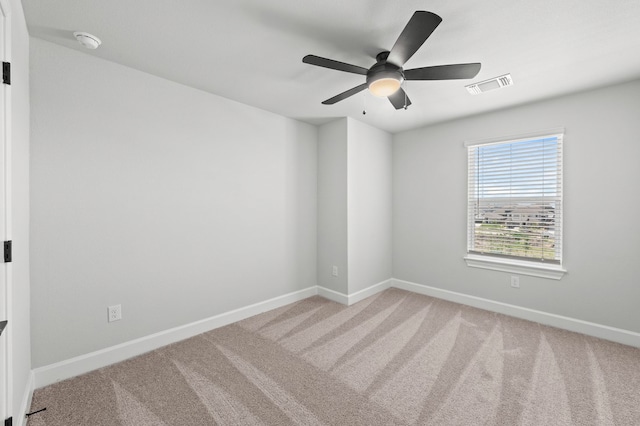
(8, 422)
(6, 72)
(7, 252)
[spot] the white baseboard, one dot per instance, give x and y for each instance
(53, 373)
(613, 334)
(49, 374)
(21, 417)
(350, 299)
(336, 296)
(369, 291)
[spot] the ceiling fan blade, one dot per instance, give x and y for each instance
(418, 29)
(443, 72)
(345, 95)
(400, 99)
(334, 65)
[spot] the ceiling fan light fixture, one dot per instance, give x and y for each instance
(384, 87)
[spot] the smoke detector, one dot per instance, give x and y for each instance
(87, 40)
(491, 84)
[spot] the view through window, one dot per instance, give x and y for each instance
(515, 198)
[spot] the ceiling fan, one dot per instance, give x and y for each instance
(386, 76)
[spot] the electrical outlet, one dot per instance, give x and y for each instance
(115, 312)
(515, 281)
(334, 271)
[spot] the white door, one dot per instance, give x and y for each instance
(5, 368)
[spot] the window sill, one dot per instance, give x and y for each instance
(550, 271)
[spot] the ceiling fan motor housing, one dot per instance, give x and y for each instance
(384, 70)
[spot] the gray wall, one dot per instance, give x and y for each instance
(20, 306)
(354, 205)
(180, 205)
(173, 202)
(601, 230)
(332, 205)
(369, 209)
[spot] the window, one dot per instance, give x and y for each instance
(515, 204)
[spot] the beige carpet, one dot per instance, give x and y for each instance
(394, 358)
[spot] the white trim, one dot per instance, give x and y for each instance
(369, 291)
(49, 374)
(515, 266)
(6, 287)
(558, 131)
(20, 419)
(350, 299)
(72, 367)
(613, 334)
(336, 296)
(53, 373)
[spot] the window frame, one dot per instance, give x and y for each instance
(521, 266)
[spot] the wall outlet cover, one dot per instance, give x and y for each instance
(114, 312)
(515, 281)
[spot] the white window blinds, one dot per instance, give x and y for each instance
(515, 198)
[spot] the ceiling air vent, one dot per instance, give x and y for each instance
(492, 83)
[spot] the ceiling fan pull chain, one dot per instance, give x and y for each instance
(364, 103)
(405, 95)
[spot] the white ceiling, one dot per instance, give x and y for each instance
(251, 50)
